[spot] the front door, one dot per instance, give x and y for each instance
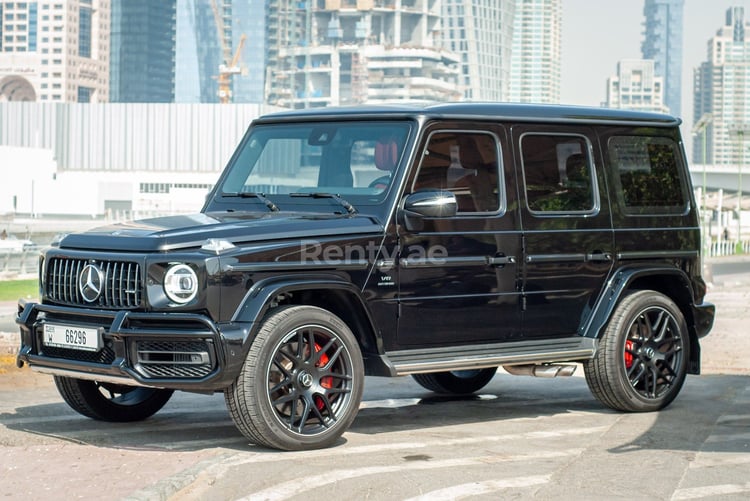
(566, 220)
(459, 275)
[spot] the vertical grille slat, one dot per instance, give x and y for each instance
(121, 285)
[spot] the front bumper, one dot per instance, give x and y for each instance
(181, 351)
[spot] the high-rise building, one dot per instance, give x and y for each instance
(142, 51)
(537, 46)
(636, 87)
(663, 44)
(481, 31)
(721, 89)
(208, 36)
(335, 52)
(55, 51)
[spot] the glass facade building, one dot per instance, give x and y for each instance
(721, 87)
(537, 47)
(200, 52)
(481, 31)
(663, 44)
(142, 51)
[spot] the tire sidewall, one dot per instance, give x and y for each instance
(301, 316)
(637, 304)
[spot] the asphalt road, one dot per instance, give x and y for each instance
(521, 438)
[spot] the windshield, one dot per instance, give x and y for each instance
(351, 160)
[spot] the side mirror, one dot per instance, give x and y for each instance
(427, 204)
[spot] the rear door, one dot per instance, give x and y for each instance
(567, 236)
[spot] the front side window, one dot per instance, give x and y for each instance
(558, 173)
(465, 163)
(648, 172)
(355, 160)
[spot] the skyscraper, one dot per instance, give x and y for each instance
(721, 88)
(203, 46)
(636, 87)
(663, 43)
(357, 51)
(481, 31)
(537, 42)
(142, 51)
(55, 51)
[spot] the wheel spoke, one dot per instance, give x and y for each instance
(288, 397)
(285, 382)
(635, 379)
(334, 357)
(306, 407)
(322, 351)
(329, 411)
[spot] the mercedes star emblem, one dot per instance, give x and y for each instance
(90, 283)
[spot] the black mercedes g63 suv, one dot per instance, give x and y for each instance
(438, 241)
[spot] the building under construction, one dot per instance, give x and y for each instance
(339, 52)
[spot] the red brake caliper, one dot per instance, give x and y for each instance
(629, 346)
(325, 382)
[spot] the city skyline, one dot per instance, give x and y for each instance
(593, 45)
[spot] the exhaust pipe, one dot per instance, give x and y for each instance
(547, 370)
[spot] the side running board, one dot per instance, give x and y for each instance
(491, 355)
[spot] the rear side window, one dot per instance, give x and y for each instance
(648, 169)
(557, 173)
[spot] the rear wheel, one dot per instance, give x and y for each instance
(111, 402)
(642, 358)
(456, 382)
(301, 383)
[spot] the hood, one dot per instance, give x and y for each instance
(192, 231)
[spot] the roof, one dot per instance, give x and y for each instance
(480, 111)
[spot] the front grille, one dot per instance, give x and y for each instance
(174, 359)
(121, 283)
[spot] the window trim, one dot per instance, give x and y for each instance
(596, 206)
(651, 210)
(502, 207)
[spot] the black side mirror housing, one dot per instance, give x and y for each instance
(427, 204)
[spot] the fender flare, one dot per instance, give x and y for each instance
(259, 300)
(619, 284)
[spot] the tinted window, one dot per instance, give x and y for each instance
(649, 174)
(557, 173)
(353, 159)
(465, 163)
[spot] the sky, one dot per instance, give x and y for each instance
(599, 33)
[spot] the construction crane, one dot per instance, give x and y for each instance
(230, 64)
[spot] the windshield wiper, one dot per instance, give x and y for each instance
(317, 194)
(251, 194)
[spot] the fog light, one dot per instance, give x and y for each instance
(180, 283)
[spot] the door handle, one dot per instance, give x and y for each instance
(598, 256)
(500, 260)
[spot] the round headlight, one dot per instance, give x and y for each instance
(180, 283)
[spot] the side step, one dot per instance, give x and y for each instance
(455, 358)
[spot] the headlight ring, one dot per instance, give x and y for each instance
(180, 283)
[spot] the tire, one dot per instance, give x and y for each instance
(301, 383)
(111, 402)
(456, 382)
(641, 362)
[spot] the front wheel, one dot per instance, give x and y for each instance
(641, 362)
(456, 382)
(301, 383)
(111, 402)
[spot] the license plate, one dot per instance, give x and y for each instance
(71, 336)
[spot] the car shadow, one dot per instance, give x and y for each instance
(707, 408)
